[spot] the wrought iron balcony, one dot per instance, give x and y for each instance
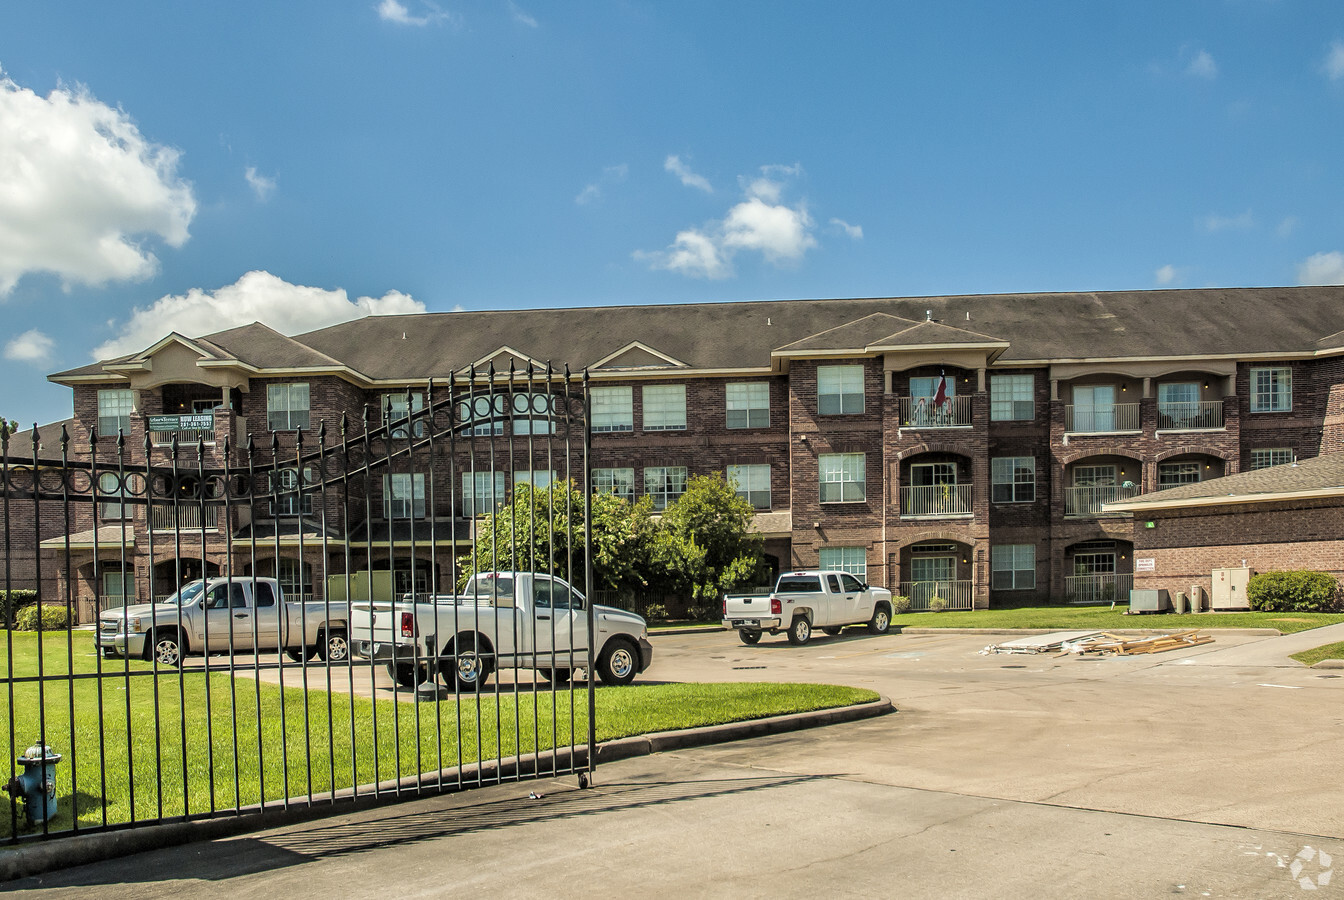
(1101, 419)
(1089, 499)
(922, 412)
(1098, 588)
(1192, 416)
(936, 501)
(955, 594)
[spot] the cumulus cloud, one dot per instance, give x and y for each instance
(81, 189)
(1201, 65)
(399, 14)
(256, 297)
(521, 17)
(854, 231)
(1322, 268)
(1215, 222)
(761, 223)
(1334, 61)
(1166, 275)
(611, 175)
(32, 346)
(262, 186)
(678, 168)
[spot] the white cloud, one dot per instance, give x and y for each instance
(80, 189)
(31, 346)
(262, 186)
(854, 231)
(1201, 65)
(1334, 61)
(397, 13)
(761, 223)
(521, 17)
(1215, 222)
(1166, 275)
(258, 296)
(610, 175)
(1322, 268)
(678, 168)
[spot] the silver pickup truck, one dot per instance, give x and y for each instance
(225, 615)
(802, 601)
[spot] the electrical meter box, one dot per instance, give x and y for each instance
(1229, 588)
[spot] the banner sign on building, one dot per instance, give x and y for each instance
(195, 421)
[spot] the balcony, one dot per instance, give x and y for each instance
(1089, 499)
(956, 594)
(1117, 417)
(1097, 588)
(937, 501)
(1192, 416)
(921, 412)
(187, 517)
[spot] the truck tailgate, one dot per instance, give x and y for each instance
(374, 622)
(746, 607)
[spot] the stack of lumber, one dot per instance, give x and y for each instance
(1122, 646)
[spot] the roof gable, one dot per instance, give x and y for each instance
(637, 355)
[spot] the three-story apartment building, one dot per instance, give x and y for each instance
(953, 447)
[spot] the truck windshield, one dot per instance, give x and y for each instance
(798, 584)
(186, 595)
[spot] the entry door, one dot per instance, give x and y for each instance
(562, 624)
(932, 577)
(1094, 407)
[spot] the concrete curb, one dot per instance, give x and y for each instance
(1329, 664)
(689, 629)
(41, 856)
(1024, 632)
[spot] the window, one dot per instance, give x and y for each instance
(1012, 567)
(1094, 476)
(397, 410)
(931, 474)
(613, 409)
(296, 582)
(1013, 478)
(748, 404)
(841, 477)
(289, 498)
(114, 412)
(664, 484)
(1177, 473)
(404, 496)
(488, 492)
(1093, 407)
(1178, 404)
(1272, 389)
(1265, 457)
(533, 414)
(664, 407)
(932, 569)
(752, 483)
(839, 390)
(1094, 563)
(538, 478)
(110, 486)
(620, 482)
(483, 415)
(1012, 397)
(286, 407)
(117, 586)
(853, 560)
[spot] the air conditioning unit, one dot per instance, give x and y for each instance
(1149, 601)
(1229, 588)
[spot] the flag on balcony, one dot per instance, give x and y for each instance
(940, 397)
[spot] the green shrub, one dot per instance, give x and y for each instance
(1295, 591)
(655, 612)
(12, 601)
(899, 604)
(937, 604)
(53, 618)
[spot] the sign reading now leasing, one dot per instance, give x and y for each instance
(195, 421)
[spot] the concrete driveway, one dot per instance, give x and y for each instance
(999, 776)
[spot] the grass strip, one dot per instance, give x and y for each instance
(1103, 618)
(1316, 654)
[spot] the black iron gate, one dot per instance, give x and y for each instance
(182, 703)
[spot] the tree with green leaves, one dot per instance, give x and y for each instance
(704, 542)
(541, 530)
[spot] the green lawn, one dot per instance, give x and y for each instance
(1312, 657)
(178, 749)
(1103, 618)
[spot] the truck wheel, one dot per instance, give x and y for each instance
(335, 646)
(831, 630)
(406, 674)
(618, 663)
(800, 631)
(166, 650)
(463, 663)
(749, 636)
(880, 621)
(555, 676)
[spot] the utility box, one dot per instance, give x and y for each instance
(1149, 601)
(1196, 598)
(1229, 588)
(376, 585)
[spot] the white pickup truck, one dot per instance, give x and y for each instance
(802, 601)
(222, 615)
(501, 620)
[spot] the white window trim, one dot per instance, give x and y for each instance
(662, 400)
(846, 391)
(615, 403)
(753, 397)
(843, 471)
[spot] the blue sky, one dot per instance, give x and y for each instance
(190, 167)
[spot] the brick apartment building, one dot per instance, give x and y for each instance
(961, 447)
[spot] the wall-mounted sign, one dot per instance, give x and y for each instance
(1149, 524)
(195, 421)
(1145, 564)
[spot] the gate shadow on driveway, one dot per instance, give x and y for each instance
(226, 859)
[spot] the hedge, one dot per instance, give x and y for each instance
(13, 601)
(1295, 591)
(54, 618)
